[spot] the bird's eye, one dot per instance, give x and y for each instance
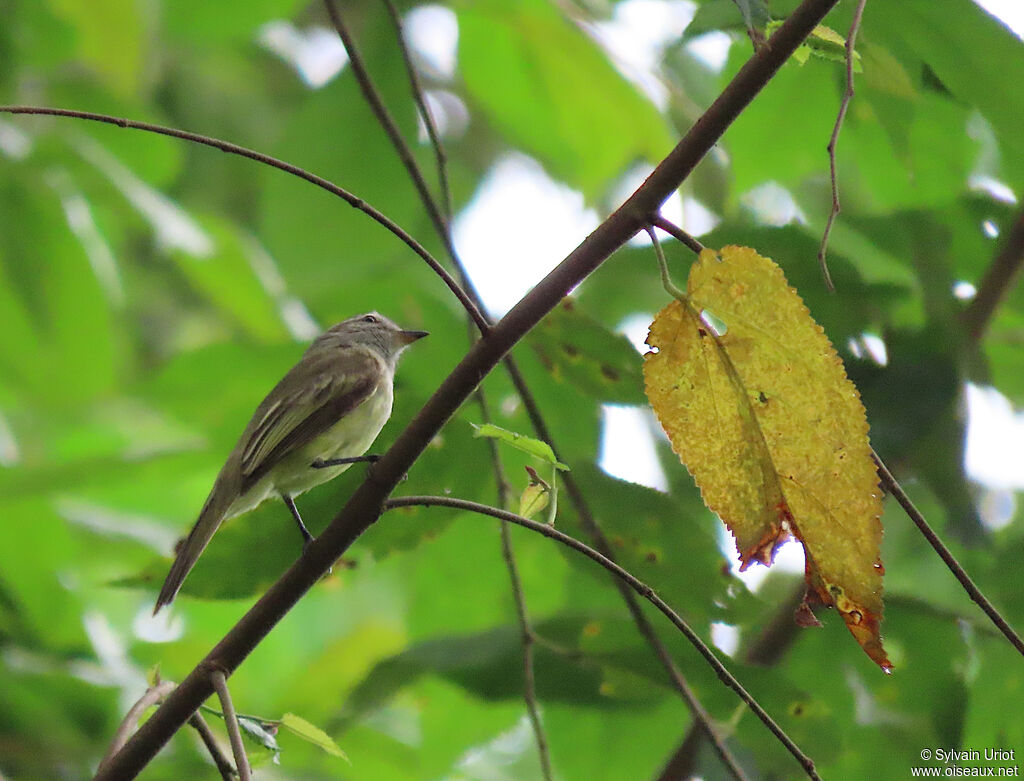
(370, 319)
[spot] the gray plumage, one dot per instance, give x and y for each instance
(330, 405)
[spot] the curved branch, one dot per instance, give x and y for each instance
(225, 146)
(364, 506)
(638, 586)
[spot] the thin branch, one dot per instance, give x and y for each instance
(767, 649)
(666, 278)
(151, 696)
(638, 586)
(220, 685)
(999, 280)
(844, 105)
(364, 506)
(384, 118)
(528, 637)
(224, 766)
(224, 146)
(894, 488)
(677, 233)
(528, 640)
(387, 123)
(425, 113)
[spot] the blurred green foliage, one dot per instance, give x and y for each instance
(151, 292)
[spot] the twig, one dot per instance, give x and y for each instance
(999, 279)
(633, 583)
(220, 685)
(767, 649)
(224, 146)
(224, 766)
(666, 278)
(528, 637)
(151, 696)
(677, 233)
(386, 122)
(428, 118)
(601, 543)
(389, 126)
(384, 118)
(844, 105)
(893, 487)
(365, 504)
(528, 640)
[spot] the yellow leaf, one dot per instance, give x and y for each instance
(758, 407)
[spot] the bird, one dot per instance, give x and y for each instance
(316, 422)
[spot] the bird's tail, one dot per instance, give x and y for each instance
(210, 517)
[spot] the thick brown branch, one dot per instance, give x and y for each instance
(384, 118)
(364, 507)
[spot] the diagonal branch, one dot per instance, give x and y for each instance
(384, 118)
(419, 97)
(998, 281)
(364, 506)
(225, 146)
(889, 484)
(387, 123)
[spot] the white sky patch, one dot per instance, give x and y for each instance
(1011, 12)
(990, 229)
(725, 637)
(636, 37)
(773, 204)
(433, 35)
(994, 455)
(450, 115)
(636, 327)
(964, 291)
(789, 558)
(517, 228)
(671, 210)
(316, 54)
(627, 446)
(712, 49)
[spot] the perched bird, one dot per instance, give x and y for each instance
(316, 422)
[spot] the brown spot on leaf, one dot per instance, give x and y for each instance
(611, 374)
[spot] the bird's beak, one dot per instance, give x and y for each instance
(408, 337)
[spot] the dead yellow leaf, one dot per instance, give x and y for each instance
(758, 406)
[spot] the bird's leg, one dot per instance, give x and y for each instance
(306, 536)
(321, 463)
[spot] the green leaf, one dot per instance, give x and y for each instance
(534, 447)
(312, 734)
(556, 88)
(581, 351)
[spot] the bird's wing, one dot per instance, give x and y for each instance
(322, 396)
